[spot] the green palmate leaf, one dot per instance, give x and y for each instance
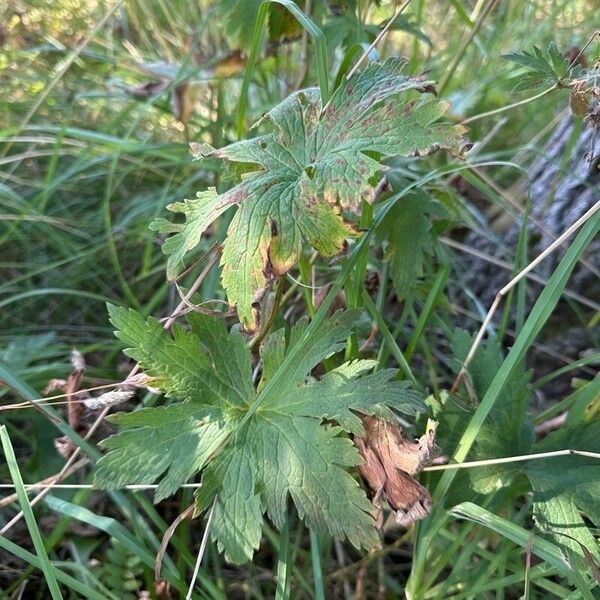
(240, 16)
(542, 67)
(305, 177)
(240, 19)
(407, 231)
(559, 514)
(190, 431)
(565, 488)
(341, 394)
(508, 430)
(289, 448)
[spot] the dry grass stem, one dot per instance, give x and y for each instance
(523, 273)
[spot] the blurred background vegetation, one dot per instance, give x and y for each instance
(98, 103)
(91, 154)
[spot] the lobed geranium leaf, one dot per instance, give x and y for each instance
(338, 395)
(406, 230)
(308, 175)
(549, 66)
(508, 430)
(181, 366)
(188, 431)
(284, 451)
(566, 488)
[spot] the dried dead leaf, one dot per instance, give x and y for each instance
(183, 100)
(390, 460)
(54, 385)
(70, 387)
(232, 64)
(147, 90)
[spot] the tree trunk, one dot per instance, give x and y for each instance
(565, 183)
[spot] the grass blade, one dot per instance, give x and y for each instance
(72, 583)
(36, 538)
(113, 528)
(432, 299)
(284, 566)
(388, 337)
(315, 554)
(537, 318)
(546, 550)
(320, 53)
(13, 381)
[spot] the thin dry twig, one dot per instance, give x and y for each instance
(185, 298)
(201, 550)
(339, 551)
(539, 224)
(134, 487)
(543, 348)
(351, 569)
(550, 425)
(167, 538)
(379, 37)
(60, 475)
(507, 266)
(53, 400)
(449, 71)
(465, 465)
(512, 459)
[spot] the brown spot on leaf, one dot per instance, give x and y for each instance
(330, 196)
(390, 460)
(372, 120)
(408, 108)
(236, 195)
(329, 115)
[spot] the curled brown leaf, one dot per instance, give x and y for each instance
(390, 460)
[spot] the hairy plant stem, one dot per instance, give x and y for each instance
(497, 111)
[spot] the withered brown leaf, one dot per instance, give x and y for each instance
(64, 445)
(390, 460)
